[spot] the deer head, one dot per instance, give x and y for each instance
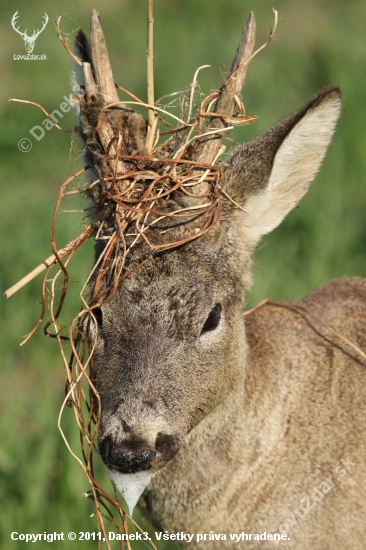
(29, 40)
(170, 347)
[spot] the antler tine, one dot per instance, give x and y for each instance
(91, 88)
(101, 64)
(233, 85)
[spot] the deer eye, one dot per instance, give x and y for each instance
(97, 312)
(213, 319)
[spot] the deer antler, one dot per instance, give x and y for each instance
(207, 150)
(38, 32)
(98, 78)
(13, 22)
(232, 87)
(91, 89)
(101, 64)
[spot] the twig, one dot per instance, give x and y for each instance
(305, 313)
(48, 262)
(205, 174)
(234, 202)
(128, 93)
(150, 78)
(209, 133)
(148, 106)
(193, 87)
(64, 43)
(42, 109)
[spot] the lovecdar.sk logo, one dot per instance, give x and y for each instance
(29, 41)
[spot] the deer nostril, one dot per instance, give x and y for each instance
(167, 445)
(105, 447)
(125, 461)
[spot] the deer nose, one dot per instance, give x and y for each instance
(126, 461)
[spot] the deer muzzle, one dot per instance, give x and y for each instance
(134, 455)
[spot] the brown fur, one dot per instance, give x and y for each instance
(298, 411)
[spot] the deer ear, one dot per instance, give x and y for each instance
(269, 175)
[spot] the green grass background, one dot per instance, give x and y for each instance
(318, 43)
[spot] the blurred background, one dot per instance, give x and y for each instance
(318, 43)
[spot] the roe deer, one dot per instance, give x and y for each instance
(247, 424)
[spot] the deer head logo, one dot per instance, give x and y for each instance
(29, 40)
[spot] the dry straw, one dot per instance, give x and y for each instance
(131, 217)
